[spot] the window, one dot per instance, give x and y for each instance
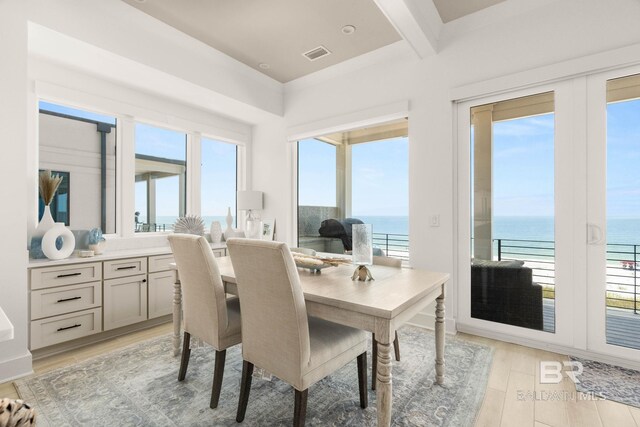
(218, 180)
(161, 177)
(80, 146)
(360, 175)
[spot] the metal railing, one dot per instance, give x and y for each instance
(393, 245)
(623, 268)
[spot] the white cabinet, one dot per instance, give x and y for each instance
(161, 290)
(125, 301)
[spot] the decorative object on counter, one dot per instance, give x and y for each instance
(97, 242)
(362, 251)
(268, 229)
(317, 263)
(229, 230)
(251, 201)
(253, 229)
(86, 253)
(234, 233)
(190, 224)
(216, 232)
(48, 185)
(50, 246)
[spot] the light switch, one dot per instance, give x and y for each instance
(434, 220)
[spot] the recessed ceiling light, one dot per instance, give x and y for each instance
(348, 29)
(264, 66)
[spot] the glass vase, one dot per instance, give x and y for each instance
(362, 235)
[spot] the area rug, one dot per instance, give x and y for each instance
(609, 381)
(138, 386)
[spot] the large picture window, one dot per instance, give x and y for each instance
(161, 177)
(218, 180)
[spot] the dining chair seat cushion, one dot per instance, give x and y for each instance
(332, 346)
(233, 334)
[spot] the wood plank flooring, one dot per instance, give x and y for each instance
(515, 370)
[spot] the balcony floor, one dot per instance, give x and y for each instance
(623, 326)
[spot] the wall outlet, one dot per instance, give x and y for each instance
(434, 220)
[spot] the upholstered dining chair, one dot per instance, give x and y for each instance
(389, 262)
(208, 314)
(278, 336)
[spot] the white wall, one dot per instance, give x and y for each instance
(15, 358)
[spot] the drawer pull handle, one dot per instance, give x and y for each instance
(60, 276)
(69, 299)
(126, 268)
(70, 327)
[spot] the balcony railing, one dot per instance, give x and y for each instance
(623, 268)
(393, 245)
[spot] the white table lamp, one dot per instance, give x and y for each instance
(251, 201)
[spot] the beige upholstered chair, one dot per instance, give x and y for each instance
(277, 334)
(389, 262)
(208, 315)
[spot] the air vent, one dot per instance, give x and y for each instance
(316, 53)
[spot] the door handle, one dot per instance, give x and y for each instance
(594, 234)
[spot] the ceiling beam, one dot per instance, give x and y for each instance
(417, 21)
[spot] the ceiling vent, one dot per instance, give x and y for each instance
(316, 53)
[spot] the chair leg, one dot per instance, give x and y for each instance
(186, 353)
(218, 373)
(300, 408)
(396, 347)
(374, 361)
(362, 380)
(245, 388)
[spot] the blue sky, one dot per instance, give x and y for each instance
(380, 175)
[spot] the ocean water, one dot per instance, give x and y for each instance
(619, 230)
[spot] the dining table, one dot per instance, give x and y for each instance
(380, 306)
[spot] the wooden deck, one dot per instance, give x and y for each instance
(623, 326)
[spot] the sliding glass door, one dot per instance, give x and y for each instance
(614, 213)
(515, 182)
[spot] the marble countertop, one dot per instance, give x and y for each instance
(109, 255)
(6, 328)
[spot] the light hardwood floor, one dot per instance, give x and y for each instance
(515, 369)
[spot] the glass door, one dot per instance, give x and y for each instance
(512, 207)
(614, 214)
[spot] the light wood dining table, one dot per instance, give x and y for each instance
(379, 306)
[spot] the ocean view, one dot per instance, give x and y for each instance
(619, 230)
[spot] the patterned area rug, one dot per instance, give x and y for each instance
(138, 386)
(610, 382)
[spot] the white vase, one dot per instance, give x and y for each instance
(49, 239)
(216, 232)
(45, 224)
(229, 230)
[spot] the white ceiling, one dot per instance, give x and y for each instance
(271, 36)
(451, 10)
(278, 32)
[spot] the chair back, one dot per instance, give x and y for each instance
(203, 297)
(275, 329)
(387, 261)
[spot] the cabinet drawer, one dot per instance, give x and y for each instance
(66, 327)
(125, 301)
(124, 267)
(161, 292)
(50, 277)
(160, 263)
(65, 299)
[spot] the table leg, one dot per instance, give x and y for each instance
(440, 338)
(383, 386)
(177, 315)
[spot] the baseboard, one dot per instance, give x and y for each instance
(428, 320)
(15, 368)
(555, 348)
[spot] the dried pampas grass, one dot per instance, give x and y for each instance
(48, 186)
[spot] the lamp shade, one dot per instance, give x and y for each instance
(249, 200)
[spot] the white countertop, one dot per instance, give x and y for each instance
(6, 328)
(109, 255)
